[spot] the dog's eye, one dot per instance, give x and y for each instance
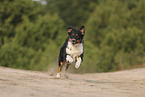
(77, 35)
(72, 35)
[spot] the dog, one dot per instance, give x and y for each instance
(72, 50)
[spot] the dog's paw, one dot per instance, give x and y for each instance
(78, 62)
(65, 68)
(69, 59)
(76, 66)
(58, 75)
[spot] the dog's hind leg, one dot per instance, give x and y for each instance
(66, 67)
(59, 70)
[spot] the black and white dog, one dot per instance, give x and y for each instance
(72, 50)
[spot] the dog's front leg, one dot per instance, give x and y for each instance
(69, 59)
(78, 62)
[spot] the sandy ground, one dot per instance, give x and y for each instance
(21, 83)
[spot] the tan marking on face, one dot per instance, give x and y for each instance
(69, 39)
(78, 41)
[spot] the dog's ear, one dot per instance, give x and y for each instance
(69, 29)
(82, 29)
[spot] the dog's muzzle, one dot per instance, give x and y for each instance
(73, 41)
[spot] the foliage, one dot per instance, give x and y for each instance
(76, 11)
(112, 29)
(31, 33)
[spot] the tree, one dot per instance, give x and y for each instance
(114, 32)
(73, 12)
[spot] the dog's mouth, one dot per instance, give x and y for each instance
(73, 43)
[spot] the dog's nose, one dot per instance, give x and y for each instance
(73, 40)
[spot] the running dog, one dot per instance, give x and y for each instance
(72, 50)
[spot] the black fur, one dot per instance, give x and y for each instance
(62, 53)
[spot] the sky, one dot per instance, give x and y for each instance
(43, 2)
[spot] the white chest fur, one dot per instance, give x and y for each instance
(74, 50)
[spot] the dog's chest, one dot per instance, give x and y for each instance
(74, 50)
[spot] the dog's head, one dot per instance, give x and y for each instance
(76, 35)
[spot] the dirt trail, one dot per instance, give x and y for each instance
(21, 83)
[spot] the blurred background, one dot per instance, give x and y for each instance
(32, 31)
